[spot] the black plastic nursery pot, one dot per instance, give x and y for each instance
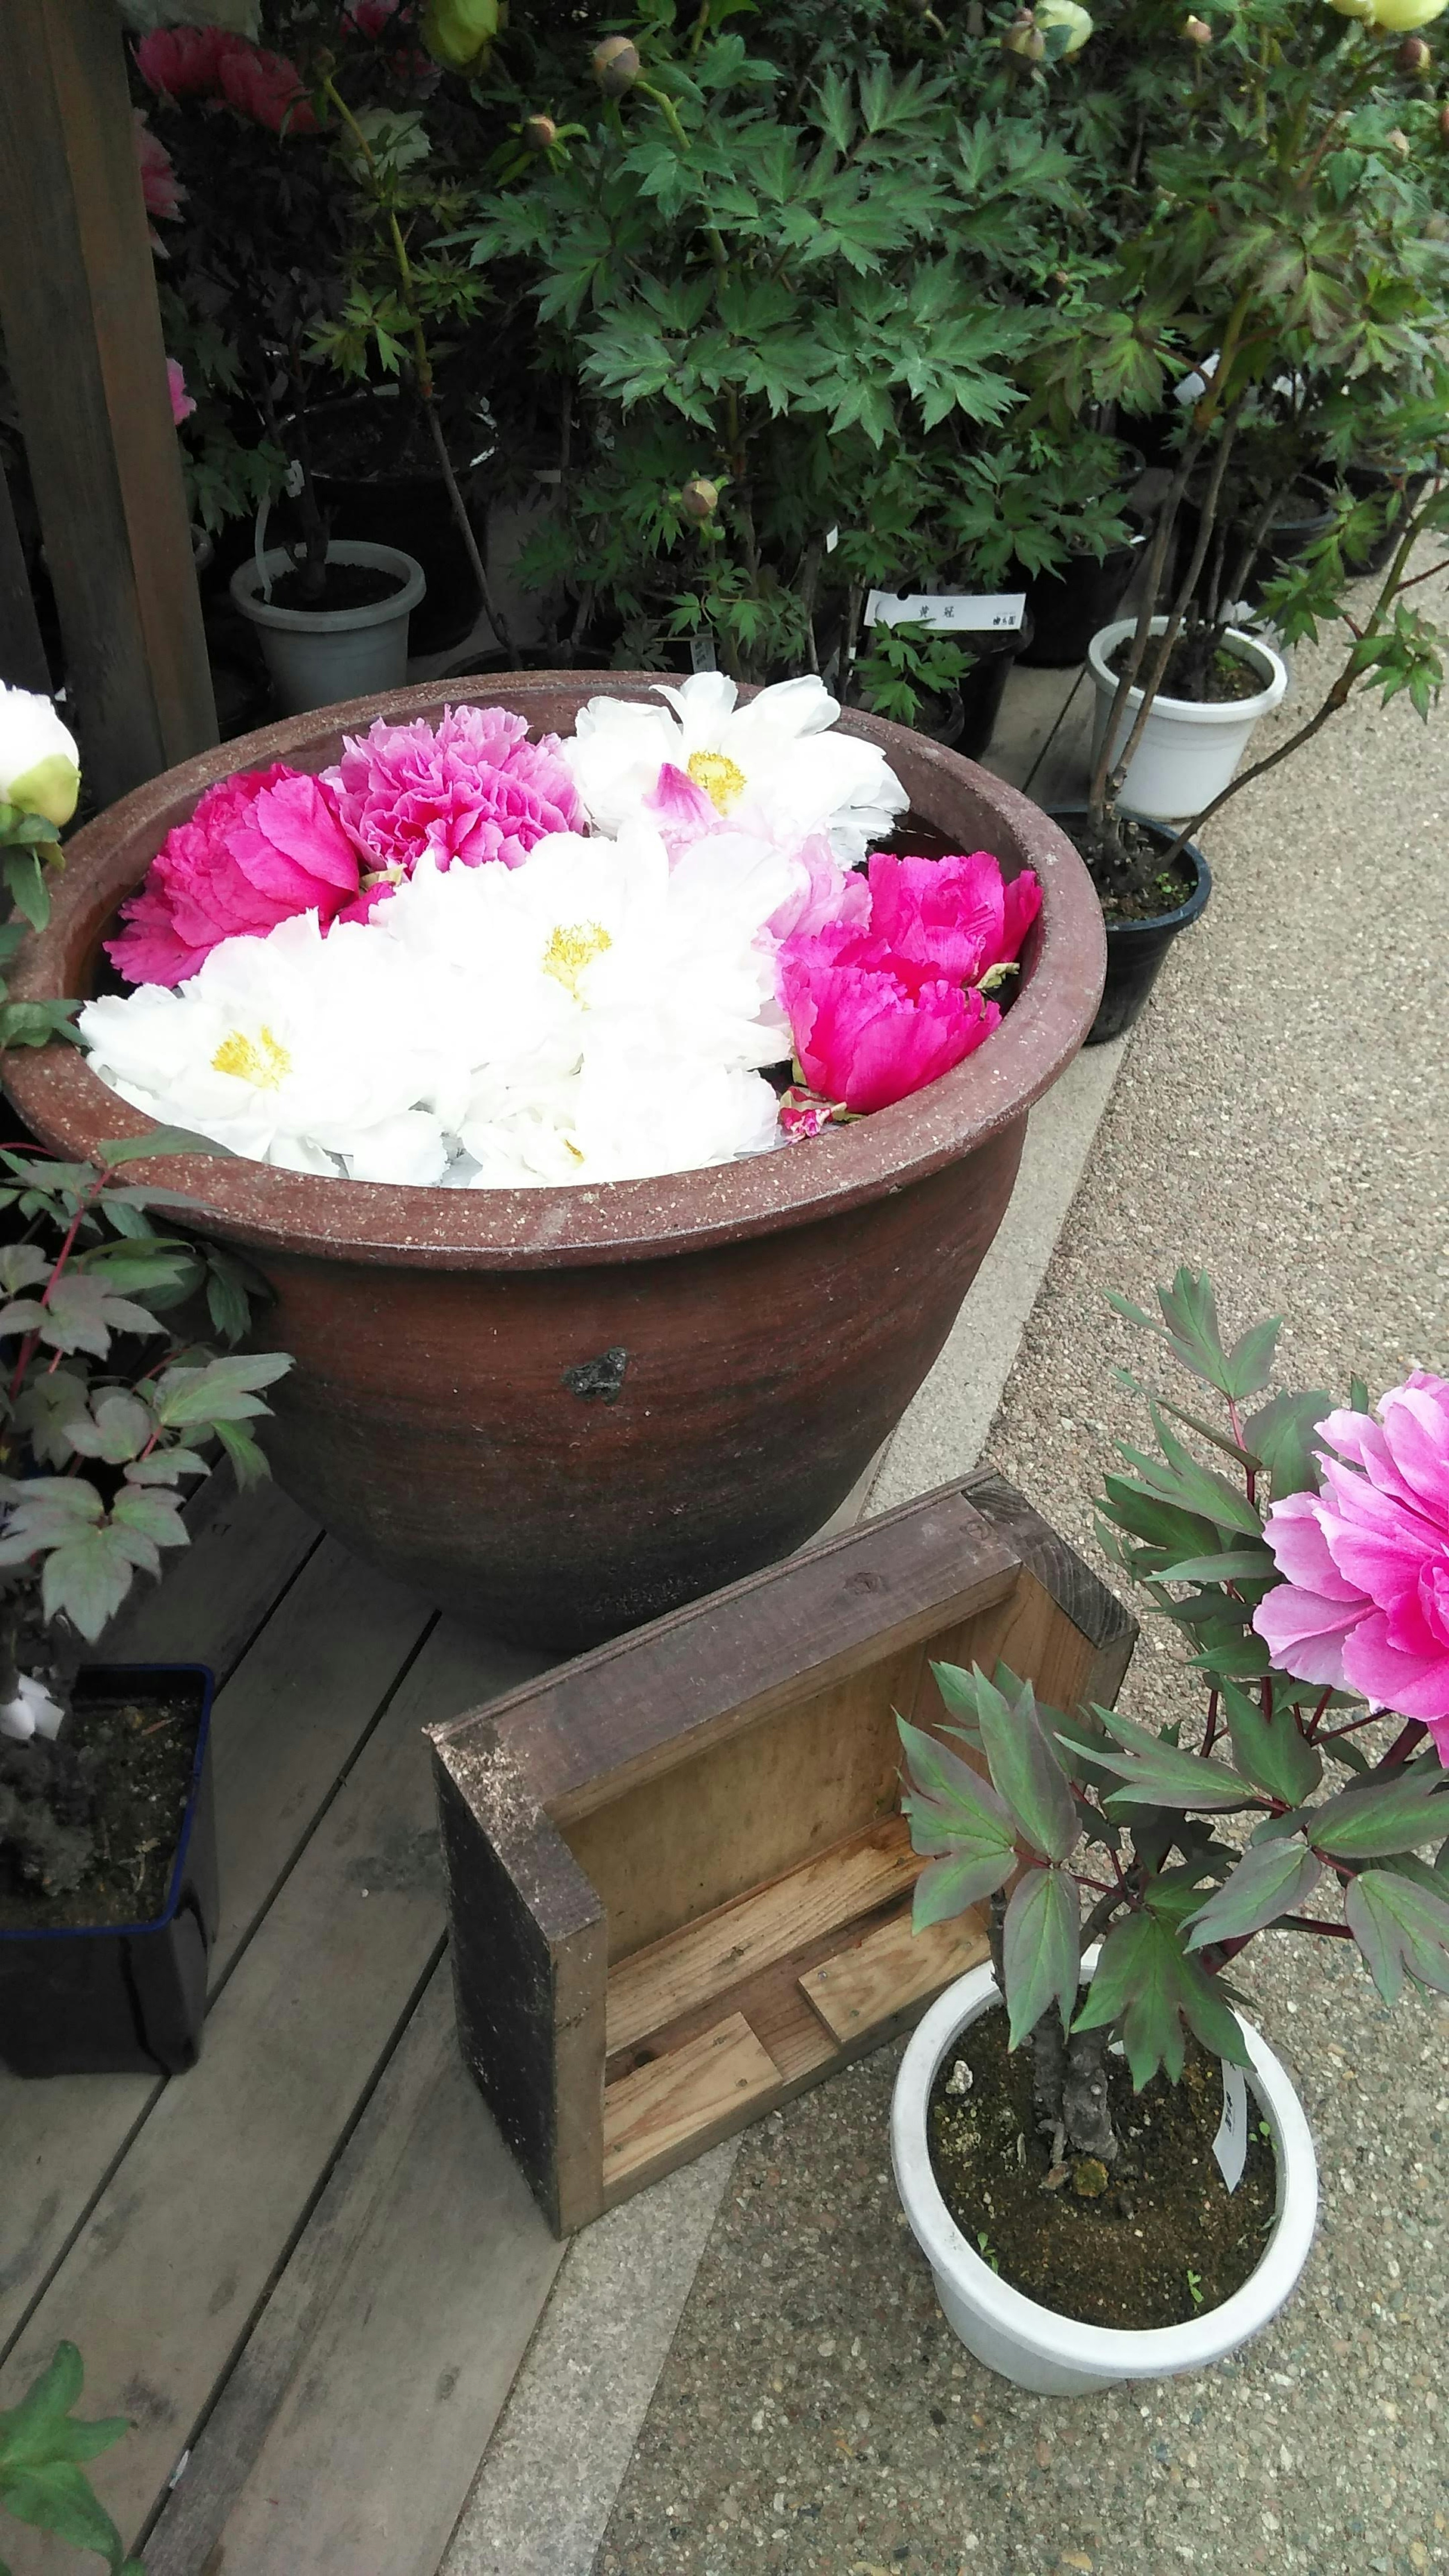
(1136, 949)
(984, 686)
(123, 1998)
(1068, 608)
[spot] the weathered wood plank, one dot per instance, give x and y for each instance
(352, 2426)
(681, 2104)
(865, 1986)
(653, 1987)
(59, 2139)
(372, 2457)
(159, 2287)
(84, 346)
(245, 1549)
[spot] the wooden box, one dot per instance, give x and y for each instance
(679, 1879)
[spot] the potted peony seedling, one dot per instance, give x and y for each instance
(42, 2483)
(107, 1859)
(1112, 2177)
(576, 1053)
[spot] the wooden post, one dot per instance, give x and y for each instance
(83, 339)
(22, 654)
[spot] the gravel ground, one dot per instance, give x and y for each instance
(1281, 1117)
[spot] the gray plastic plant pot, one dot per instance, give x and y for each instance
(1030, 2344)
(316, 657)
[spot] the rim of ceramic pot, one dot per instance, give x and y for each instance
(1113, 2351)
(71, 1111)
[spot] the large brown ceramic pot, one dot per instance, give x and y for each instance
(561, 1411)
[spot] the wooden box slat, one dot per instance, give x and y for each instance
(678, 1878)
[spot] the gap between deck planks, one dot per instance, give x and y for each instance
(179, 2240)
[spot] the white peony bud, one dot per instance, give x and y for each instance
(39, 763)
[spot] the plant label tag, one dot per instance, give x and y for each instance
(1230, 2146)
(832, 540)
(701, 653)
(949, 612)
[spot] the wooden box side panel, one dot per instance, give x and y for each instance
(529, 1984)
(746, 1809)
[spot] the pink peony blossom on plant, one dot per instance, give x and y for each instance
(951, 917)
(474, 789)
(258, 850)
(160, 187)
(268, 88)
(1365, 1603)
(183, 404)
(185, 62)
(861, 1036)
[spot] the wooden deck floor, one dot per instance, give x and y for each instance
(308, 2269)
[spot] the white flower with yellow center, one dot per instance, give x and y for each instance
(293, 1049)
(778, 756)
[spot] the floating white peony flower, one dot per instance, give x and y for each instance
(308, 1052)
(777, 756)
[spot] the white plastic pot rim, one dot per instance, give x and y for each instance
(1192, 711)
(1111, 2352)
(246, 582)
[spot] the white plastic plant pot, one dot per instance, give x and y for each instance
(1030, 2344)
(317, 656)
(1189, 752)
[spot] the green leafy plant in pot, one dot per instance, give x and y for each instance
(779, 318)
(1293, 1806)
(105, 1394)
(1282, 152)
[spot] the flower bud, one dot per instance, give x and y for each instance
(1196, 31)
(1399, 140)
(539, 133)
(1025, 38)
(39, 763)
(1414, 57)
(1403, 16)
(616, 65)
(699, 498)
(1068, 14)
(459, 33)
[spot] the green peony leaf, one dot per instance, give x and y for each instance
(1041, 1949)
(1025, 1767)
(1402, 1927)
(1272, 1878)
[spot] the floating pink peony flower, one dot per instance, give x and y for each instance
(862, 1037)
(266, 87)
(952, 917)
(475, 789)
(183, 404)
(1365, 1603)
(258, 850)
(185, 62)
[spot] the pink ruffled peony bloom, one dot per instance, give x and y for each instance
(257, 850)
(862, 1037)
(953, 917)
(185, 62)
(183, 404)
(475, 789)
(268, 88)
(1365, 1603)
(160, 188)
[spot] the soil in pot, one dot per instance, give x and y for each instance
(120, 1772)
(1125, 864)
(344, 585)
(1204, 678)
(1153, 2242)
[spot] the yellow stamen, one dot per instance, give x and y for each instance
(263, 1062)
(573, 946)
(722, 782)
